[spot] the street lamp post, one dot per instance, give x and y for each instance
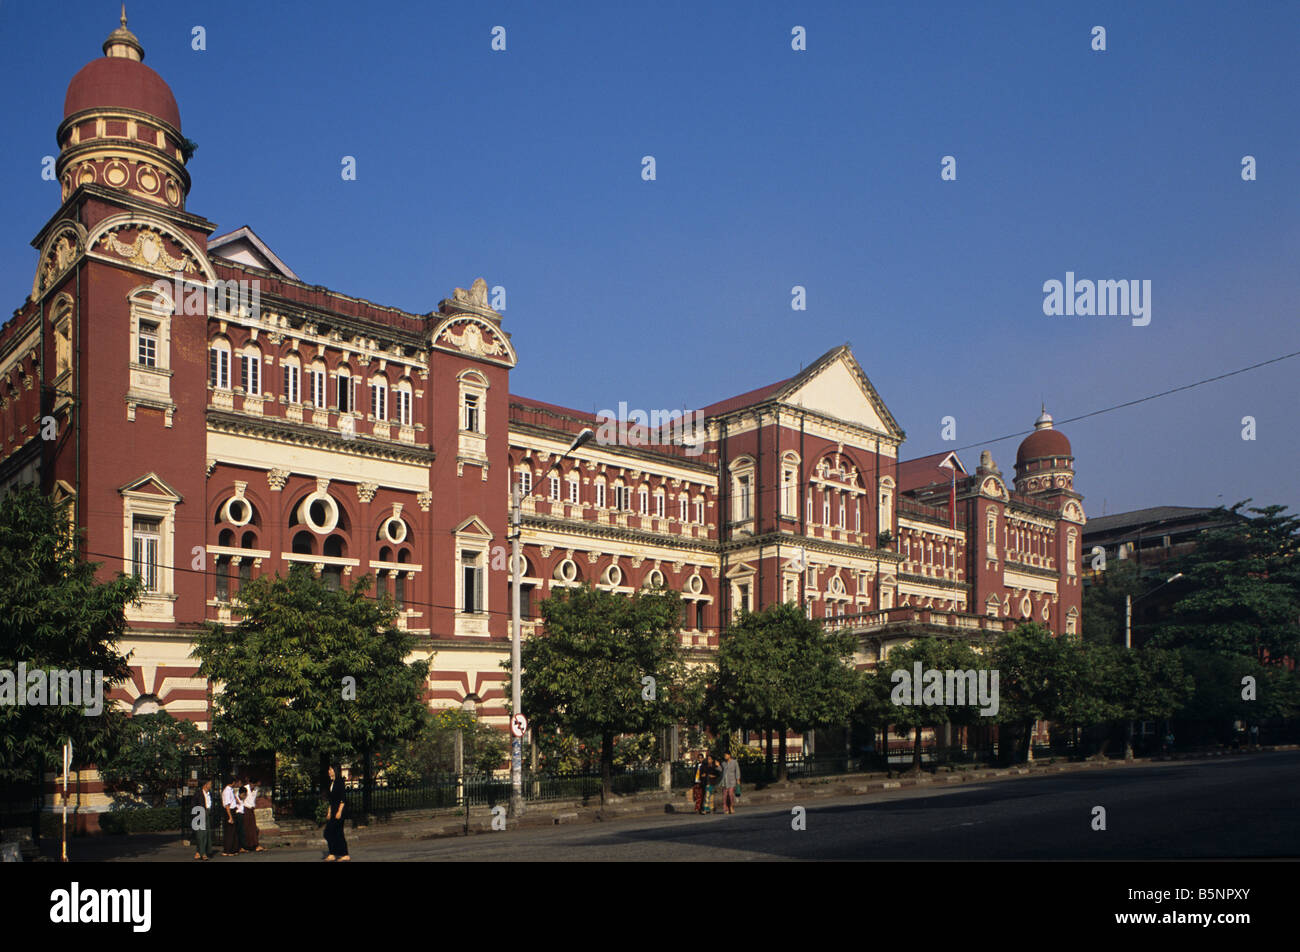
(1128, 646)
(516, 571)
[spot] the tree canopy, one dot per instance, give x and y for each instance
(55, 615)
(312, 670)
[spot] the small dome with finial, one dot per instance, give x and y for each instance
(123, 43)
(1044, 443)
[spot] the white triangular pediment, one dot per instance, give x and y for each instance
(150, 485)
(837, 391)
(474, 526)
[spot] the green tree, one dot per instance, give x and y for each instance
(1089, 675)
(312, 670)
(778, 670)
(1104, 601)
(1241, 591)
(54, 615)
(1032, 679)
(433, 749)
(937, 654)
(150, 757)
(584, 672)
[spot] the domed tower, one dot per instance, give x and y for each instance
(1044, 462)
(121, 127)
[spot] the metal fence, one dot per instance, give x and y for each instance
(450, 791)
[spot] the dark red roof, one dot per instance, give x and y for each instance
(925, 471)
(125, 83)
(1043, 443)
(744, 400)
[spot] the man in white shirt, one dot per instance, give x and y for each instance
(203, 835)
(250, 817)
(232, 842)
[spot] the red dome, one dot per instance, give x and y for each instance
(115, 81)
(1041, 443)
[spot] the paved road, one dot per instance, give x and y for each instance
(1235, 807)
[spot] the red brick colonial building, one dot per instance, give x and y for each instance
(210, 417)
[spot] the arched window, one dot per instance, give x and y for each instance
(346, 390)
(250, 370)
(402, 396)
(292, 379)
(317, 376)
(379, 397)
(219, 364)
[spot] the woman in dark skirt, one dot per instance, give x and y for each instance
(335, 841)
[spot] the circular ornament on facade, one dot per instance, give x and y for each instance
(613, 575)
(147, 180)
(1026, 607)
(567, 571)
(237, 511)
(173, 192)
(85, 174)
(1045, 611)
(695, 584)
(395, 530)
(319, 513)
(115, 174)
(654, 579)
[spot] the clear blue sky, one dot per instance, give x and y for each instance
(775, 168)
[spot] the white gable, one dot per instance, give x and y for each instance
(836, 392)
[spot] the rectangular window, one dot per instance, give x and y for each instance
(600, 495)
(318, 389)
(379, 401)
(403, 408)
(659, 505)
(146, 544)
(345, 394)
(857, 515)
(555, 488)
(826, 508)
(250, 373)
(147, 351)
(471, 412)
(742, 498)
(643, 502)
(623, 498)
(219, 368)
(291, 384)
(525, 482)
(699, 512)
(573, 491)
(685, 510)
(809, 519)
(844, 524)
(223, 579)
(471, 582)
(699, 615)
(399, 590)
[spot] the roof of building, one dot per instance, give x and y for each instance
(119, 79)
(1044, 443)
(244, 246)
(927, 470)
(1139, 518)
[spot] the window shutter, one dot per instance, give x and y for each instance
(478, 588)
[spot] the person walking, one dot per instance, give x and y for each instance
(712, 773)
(730, 782)
(335, 841)
(203, 835)
(697, 791)
(251, 833)
(230, 834)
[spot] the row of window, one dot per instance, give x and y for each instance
(622, 498)
(250, 379)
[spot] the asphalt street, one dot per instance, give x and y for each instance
(1234, 807)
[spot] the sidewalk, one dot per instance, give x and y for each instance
(421, 825)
